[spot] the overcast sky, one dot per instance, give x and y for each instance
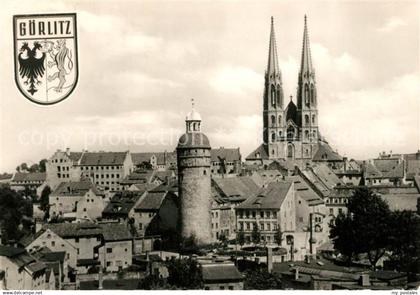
(141, 63)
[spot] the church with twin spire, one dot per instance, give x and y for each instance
(291, 133)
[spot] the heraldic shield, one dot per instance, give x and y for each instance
(46, 61)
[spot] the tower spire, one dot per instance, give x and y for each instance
(306, 60)
(273, 65)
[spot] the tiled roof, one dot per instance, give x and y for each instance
(231, 187)
(260, 153)
(162, 158)
(326, 153)
(138, 177)
(221, 273)
(326, 175)
(270, 197)
(74, 188)
(121, 203)
(103, 158)
(401, 201)
(305, 191)
(230, 155)
(35, 176)
(11, 251)
(384, 168)
(413, 169)
(115, 232)
(6, 176)
(151, 201)
(292, 113)
(72, 230)
(75, 156)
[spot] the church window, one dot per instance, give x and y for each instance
(280, 120)
(204, 172)
(313, 119)
(273, 137)
(314, 134)
(273, 120)
(273, 95)
(278, 95)
(312, 94)
(306, 135)
(290, 133)
(290, 151)
(306, 119)
(280, 135)
(306, 94)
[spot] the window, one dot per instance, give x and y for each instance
(273, 120)
(108, 263)
(273, 137)
(77, 240)
(52, 244)
(230, 287)
(262, 214)
(306, 119)
(222, 287)
(108, 250)
(280, 121)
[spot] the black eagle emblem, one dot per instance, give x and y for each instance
(31, 66)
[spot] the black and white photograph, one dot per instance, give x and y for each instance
(209, 145)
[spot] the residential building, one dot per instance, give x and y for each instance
(21, 271)
(384, 171)
(221, 276)
(160, 161)
(80, 200)
(62, 167)
(27, 180)
(121, 205)
(271, 209)
(106, 169)
(156, 212)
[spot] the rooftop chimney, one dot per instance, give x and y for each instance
(296, 274)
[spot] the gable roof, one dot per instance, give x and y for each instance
(162, 158)
(73, 230)
(235, 188)
(260, 153)
(138, 177)
(221, 273)
(326, 153)
(115, 232)
(103, 158)
(121, 203)
(74, 188)
(399, 202)
(384, 168)
(413, 169)
(33, 176)
(270, 197)
(305, 191)
(292, 113)
(151, 201)
(228, 154)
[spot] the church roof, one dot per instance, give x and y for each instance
(292, 113)
(306, 60)
(273, 64)
(193, 116)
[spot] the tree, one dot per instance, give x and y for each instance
(22, 167)
(184, 273)
(241, 237)
(45, 202)
(33, 168)
(261, 279)
(278, 236)
(256, 234)
(12, 208)
(405, 242)
(365, 229)
(43, 165)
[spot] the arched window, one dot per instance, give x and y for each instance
(314, 134)
(273, 120)
(273, 95)
(273, 137)
(290, 133)
(306, 119)
(306, 94)
(278, 95)
(290, 151)
(280, 135)
(313, 119)
(313, 93)
(306, 134)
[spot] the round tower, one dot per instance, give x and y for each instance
(193, 158)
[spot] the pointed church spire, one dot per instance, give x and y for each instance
(306, 60)
(273, 65)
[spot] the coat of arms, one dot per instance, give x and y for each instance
(46, 67)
